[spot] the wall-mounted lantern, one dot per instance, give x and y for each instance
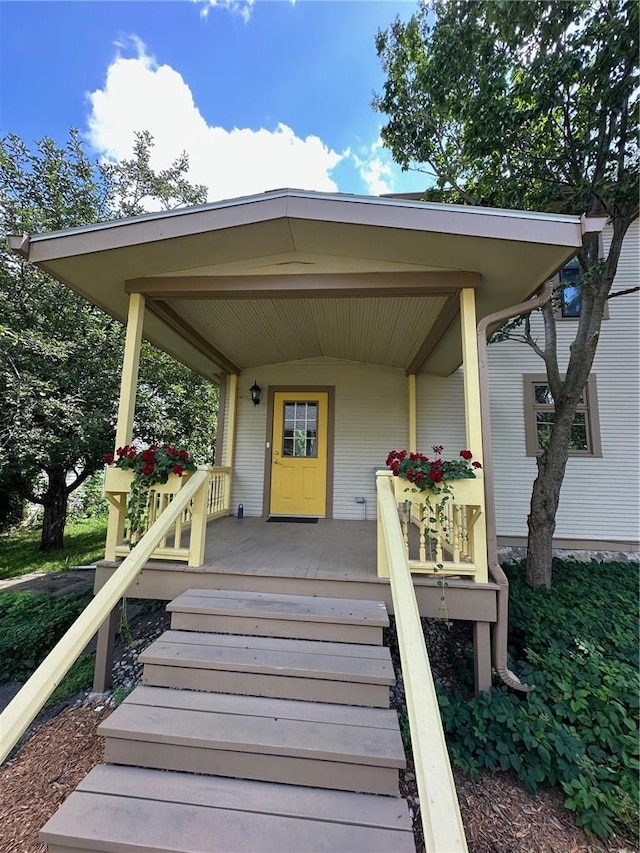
(255, 393)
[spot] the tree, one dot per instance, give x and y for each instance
(529, 105)
(57, 417)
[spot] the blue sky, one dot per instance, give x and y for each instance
(260, 94)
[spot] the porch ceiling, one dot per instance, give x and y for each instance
(277, 239)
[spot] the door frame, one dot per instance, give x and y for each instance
(329, 390)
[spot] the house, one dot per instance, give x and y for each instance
(354, 316)
(338, 328)
(606, 445)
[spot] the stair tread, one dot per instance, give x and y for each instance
(104, 822)
(264, 733)
(248, 795)
(315, 647)
(275, 606)
(283, 709)
(288, 657)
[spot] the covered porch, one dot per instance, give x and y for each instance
(348, 309)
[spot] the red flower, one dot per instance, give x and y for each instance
(148, 469)
(476, 465)
(183, 455)
(466, 454)
(177, 469)
(148, 455)
(436, 475)
(108, 458)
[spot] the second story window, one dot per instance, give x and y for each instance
(571, 295)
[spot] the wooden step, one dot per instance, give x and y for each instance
(267, 614)
(119, 809)
(272, 740)
(308, 670)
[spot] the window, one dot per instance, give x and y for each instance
(570, 294)
(300, 437)
(568, 298)
(539, 418)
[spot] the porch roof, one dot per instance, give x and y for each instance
(292, 274)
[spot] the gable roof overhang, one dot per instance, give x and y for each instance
(290, 274)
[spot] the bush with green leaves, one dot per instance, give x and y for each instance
(577, 729)
(30, 625)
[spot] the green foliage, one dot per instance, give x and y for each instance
(531, 105)
(77, 680)
(59, 356)
(20, 555)
(578, 728)
(88, 500)
(30, 625)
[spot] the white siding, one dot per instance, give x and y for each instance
(371, 408)
(582, 514)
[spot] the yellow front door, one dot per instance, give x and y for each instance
(299, 453)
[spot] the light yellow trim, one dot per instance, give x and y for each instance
(232, 406)
(413, 417)
(130, 363)
(440, 811)
(472, 418)
(126, 410)
(32, 696)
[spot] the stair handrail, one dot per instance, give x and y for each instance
(34, 693)
(439, 808)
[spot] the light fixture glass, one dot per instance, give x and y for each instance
(255, 393)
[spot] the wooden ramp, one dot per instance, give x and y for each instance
(263, 724)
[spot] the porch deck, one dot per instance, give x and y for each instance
(332, 558)
(330, 549)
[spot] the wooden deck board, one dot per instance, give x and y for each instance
(315, 647)
(293, 607)
(118, 823)
(331, 548)
(250, 657)
(258, 735)
(250, 796)
(283, 709)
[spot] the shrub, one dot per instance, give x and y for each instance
(30, 625)
(577, 644)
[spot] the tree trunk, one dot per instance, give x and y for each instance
(545, 496)
(55, 511)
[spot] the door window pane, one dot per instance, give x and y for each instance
(300, 434)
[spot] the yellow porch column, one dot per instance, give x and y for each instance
(126, 407)
(473, 419)
(230, 437)
(413, 417)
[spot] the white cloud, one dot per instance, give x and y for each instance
(237, 7)
(376, 168)
(139, 95)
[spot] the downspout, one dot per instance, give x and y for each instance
(501, 628)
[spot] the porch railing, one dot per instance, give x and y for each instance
(184, 542)
(439, 808)
(32, 696)
(444, 534)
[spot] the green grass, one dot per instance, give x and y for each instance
(78, 679)
(84, 541)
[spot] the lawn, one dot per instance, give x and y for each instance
(84, 540)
